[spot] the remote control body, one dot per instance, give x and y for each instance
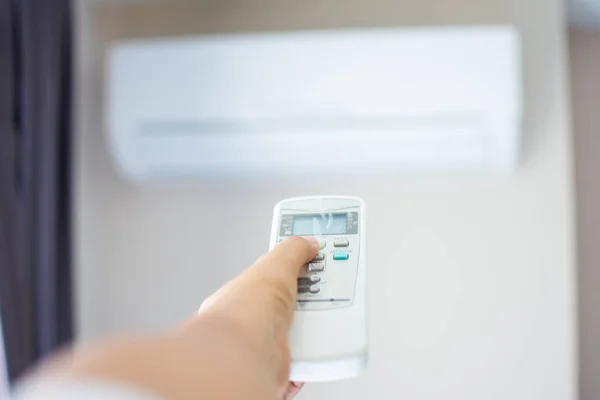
(328, 339)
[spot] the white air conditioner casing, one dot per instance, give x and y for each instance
(340, 101)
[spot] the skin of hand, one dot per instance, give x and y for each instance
(235, 348)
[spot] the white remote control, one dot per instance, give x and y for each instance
(328, 339)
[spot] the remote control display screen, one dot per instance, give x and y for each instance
(316, 225)
(319, 224)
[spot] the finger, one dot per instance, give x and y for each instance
(271, 281)
(278, 270)
(293, 390)
(286, 259)
(291, 254)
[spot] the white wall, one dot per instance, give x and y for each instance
(472, 277)
(585, 72)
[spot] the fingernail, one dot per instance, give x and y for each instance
(313, 241)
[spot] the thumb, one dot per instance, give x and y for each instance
(290, 255)
(272, 279)
(278, 270)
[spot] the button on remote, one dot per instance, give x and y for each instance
(341, 243)
(304, 285)
(315, 289)
(314, 278)
(319, 257)
(316, 267)
(340, 255)
(322, 243)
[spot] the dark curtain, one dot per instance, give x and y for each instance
(35, 132)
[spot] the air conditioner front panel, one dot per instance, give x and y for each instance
(369, 99)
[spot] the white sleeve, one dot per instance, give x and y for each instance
(84, 390)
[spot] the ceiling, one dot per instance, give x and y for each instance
(584, 13)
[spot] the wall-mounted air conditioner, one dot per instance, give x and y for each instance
(339, 101)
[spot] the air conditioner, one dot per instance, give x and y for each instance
(365, 100)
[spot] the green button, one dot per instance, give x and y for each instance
(340, 255)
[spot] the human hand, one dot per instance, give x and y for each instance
(235, 348)
(260, 304)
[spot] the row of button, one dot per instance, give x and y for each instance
(338, 256)
(318, 264)
(336, 243)
(306, 285)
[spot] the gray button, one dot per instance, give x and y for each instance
(314, 278)
(322, 243)
(316, 267)
(341, 243)
(315, 289)
(319, 257)
(304, 285)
